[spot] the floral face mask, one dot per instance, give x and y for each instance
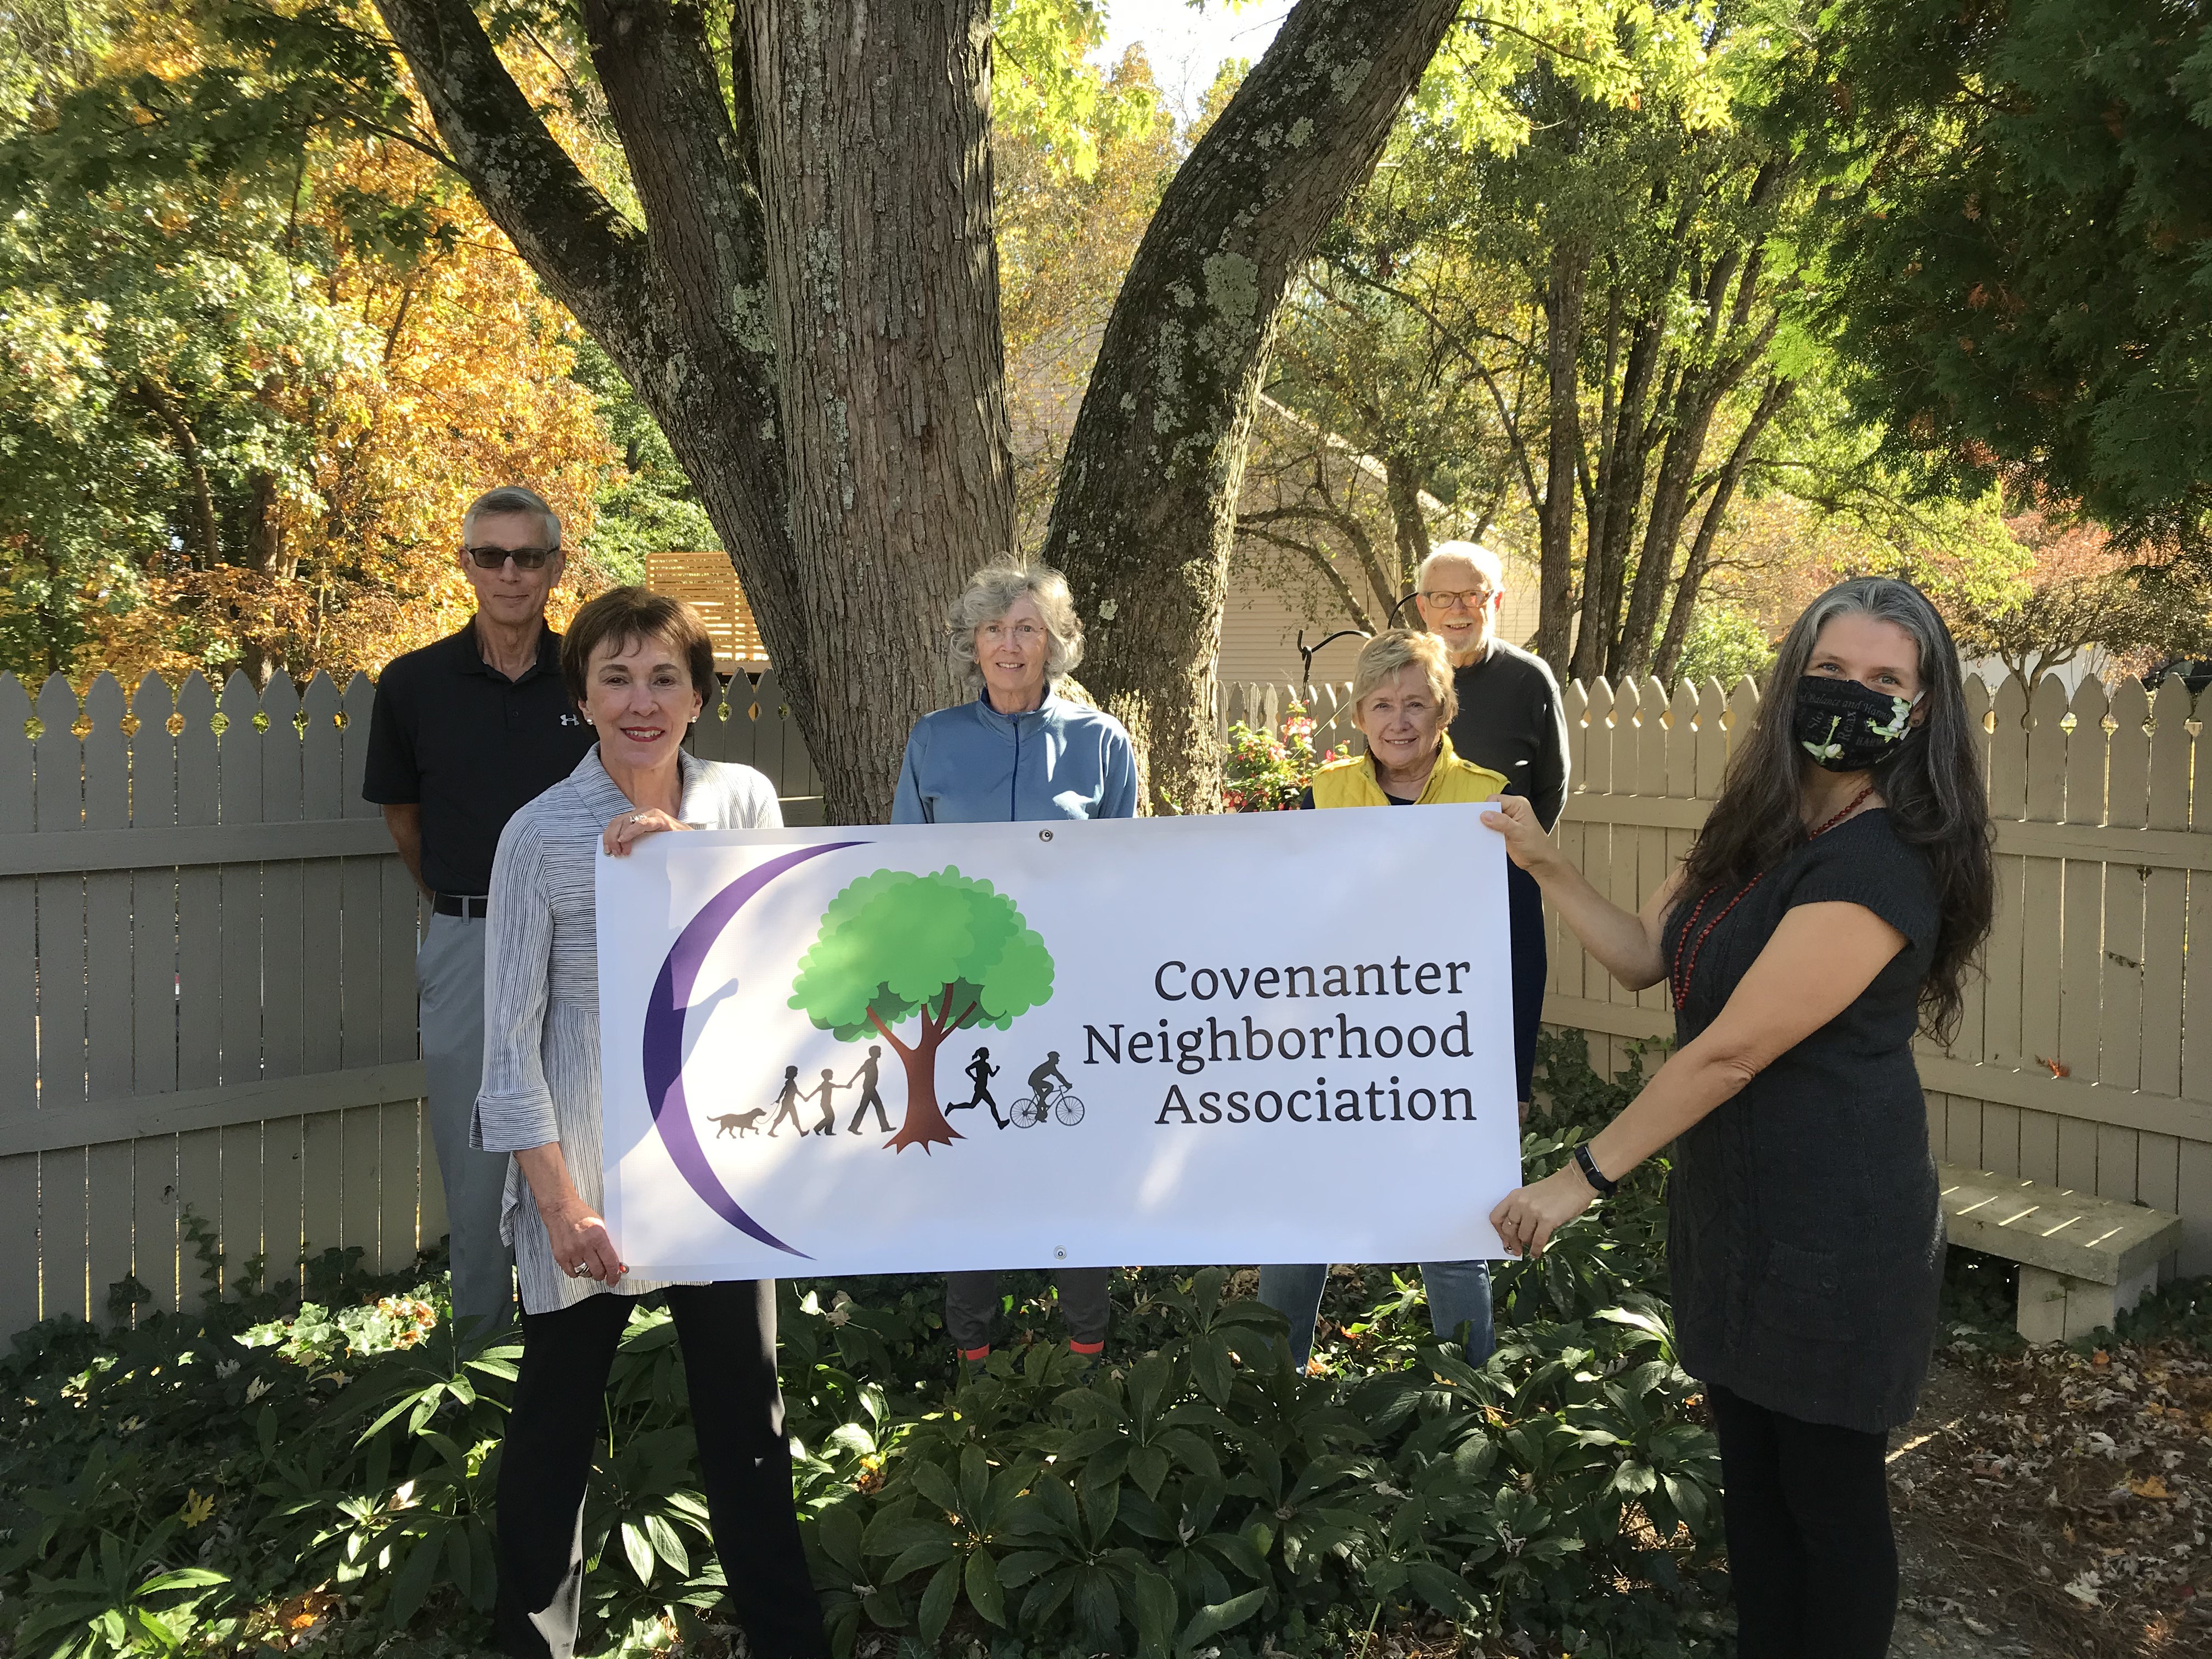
(1846, 726)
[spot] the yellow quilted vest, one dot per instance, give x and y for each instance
(1351, 782)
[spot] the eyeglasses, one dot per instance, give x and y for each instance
(1472, 599)
(525, 558)
(1022, 633)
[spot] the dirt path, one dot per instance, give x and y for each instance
(2050, 1505)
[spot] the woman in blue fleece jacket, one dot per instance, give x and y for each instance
(1017, 751)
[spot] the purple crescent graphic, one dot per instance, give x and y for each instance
(664, 1038)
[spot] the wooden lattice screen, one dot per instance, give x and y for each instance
(707, 582)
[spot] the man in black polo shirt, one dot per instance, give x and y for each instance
(1510, 719)
(464, 732)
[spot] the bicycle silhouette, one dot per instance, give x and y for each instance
(1049, 1102)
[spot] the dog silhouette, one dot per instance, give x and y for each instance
(738, 1123)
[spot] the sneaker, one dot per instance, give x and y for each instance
(1089, 1356)
(974, 1363)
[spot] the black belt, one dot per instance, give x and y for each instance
(471, 905)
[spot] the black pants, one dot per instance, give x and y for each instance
(971, 1304)
(728, 1335)
(1811, 1558)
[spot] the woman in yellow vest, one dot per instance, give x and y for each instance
(1401, 701)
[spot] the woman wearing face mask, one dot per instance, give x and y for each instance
(1830, 906)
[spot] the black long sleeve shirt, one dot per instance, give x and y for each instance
(1512, 721)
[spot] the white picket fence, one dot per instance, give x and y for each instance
(207, 989)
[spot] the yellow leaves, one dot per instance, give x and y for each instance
(197, 1509)
(2150, 1486)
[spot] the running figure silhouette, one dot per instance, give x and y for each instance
(867, 1076)
(786, 1102)
(980, 1071)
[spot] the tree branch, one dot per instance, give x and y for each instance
(593, 259)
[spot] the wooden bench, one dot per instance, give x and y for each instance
(2083, 1260)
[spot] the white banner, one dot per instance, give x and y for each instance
(1263, 1038)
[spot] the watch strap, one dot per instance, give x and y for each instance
(1588, 1165)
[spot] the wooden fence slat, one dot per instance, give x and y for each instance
(767, 728)
(199, 898)
(19, 1176)
(59, 805)
(2127, 805)
(360, 903)
(19, 969)
(322, 936)
(1623, 867)
(285, 1225)
(2166, 894)
(2038, 1146)
(154, 989)
(107, 950)
(404, 1150)
(1712, 760)
(64, 1256)
(283, 888)
(1564, 969)
(400, 919)
(1595, 854)
(2043, 879)
(361, 1211)
(199, 981)
(355, 720)
(240, 1165)
(2196, 988)
(1655, 744)
(153, 894)
(238, 906)
(2082, 922)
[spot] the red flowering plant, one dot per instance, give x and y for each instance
(1263, 772)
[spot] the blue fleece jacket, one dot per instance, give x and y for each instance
(971, 764)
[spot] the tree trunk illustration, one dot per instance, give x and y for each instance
(924, 1124)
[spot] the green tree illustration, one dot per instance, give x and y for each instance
(893, 946)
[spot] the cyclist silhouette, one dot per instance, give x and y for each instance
(786, 1102)
(1045, 1072)
(865, 1077)
(980, 1071)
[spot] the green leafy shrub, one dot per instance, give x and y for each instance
(325, 1468)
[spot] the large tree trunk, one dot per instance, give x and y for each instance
(1143, 522)
(874, 132)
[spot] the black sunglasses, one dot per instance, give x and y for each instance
(525, 558)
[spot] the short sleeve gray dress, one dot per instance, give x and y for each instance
(1804, 1238)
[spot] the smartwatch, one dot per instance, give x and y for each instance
(1588, 1165)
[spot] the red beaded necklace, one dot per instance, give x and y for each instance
(1678, 980)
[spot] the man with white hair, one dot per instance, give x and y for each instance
(1510, 719)
(465, 732)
